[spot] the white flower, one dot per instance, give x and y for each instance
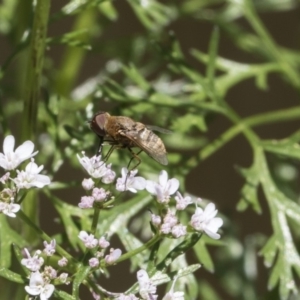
(88, 239)
(62, 262)
(99, 194)
(182, 202)
(32, 263)
(94, 166)
(164, 188)
(50, 272)
(9, 209)
(63, 278)
(109, 176)
(204, 220)
(147, 289)
(155, 219)
(10, 159)
(49, 248)
(103, 243)
(5, 177)
(94, 262)
(171, 295)
(86, 202)
(129, 182)
(38, 286)
(113, 256)
(31, 177)
(178, 231)
(88, 184)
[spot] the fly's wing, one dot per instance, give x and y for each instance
(145, 139)
(159, 129)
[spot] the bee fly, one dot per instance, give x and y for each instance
(123, 132)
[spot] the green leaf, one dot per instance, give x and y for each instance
(249, 190)
(213, 53)
(206, 291)
(190, 142)
(73, 39)
(63, 295)
(11, 276)
(203, 255)
(67, 212)
(166, 100)
(130, 243)
(75, 6)
(107, 8)
(269, 251)
(19, 255)
(188, 270)
(132, 72)
(81, 275)
(287, 255)
(284, 147)
(153, 14)
(186, 123)
(118, 217)
(8, 237)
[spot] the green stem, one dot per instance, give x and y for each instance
(95, 219)
(32, 95)
(270, 45)
(283, 115)
(149, 244)
(44, 236)
(74, 56)
(35, 68)
(177, 251)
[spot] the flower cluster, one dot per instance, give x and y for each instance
(147, 290)
(169, 204)
(100, 245)
(168, 222)
(97, 169)
(42, 276)
(14, 179)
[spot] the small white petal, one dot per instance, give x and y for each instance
(151, 187)
(173, 185)
(139, 183)
(34, 291)
(8, 144)
(163, 178)
(47, 292)
(25, 150)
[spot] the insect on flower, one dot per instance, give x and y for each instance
(123, 132)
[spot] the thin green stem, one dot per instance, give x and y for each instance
(44, 236)
(149, 244)
(95, 219)
(35, 68)
(270, 45)
(282, 115)
(32, 97)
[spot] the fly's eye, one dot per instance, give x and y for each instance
(98, 122)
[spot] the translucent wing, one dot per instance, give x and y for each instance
(159, 129)
(145, 139)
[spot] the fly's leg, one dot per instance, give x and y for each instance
(99, 148)
(134, 156)
(110, 151)
(114, 145)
